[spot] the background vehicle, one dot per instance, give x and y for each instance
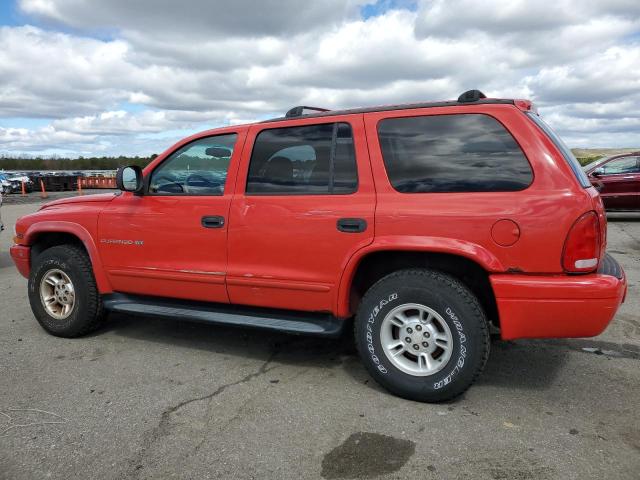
(427, 224)
(5, 184)
(618, 180)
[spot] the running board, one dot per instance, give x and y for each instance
(294, 322)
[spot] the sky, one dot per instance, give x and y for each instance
(131, 77)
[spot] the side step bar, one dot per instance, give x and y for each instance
(299, 323)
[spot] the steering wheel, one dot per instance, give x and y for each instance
(168, 185)
(197, 180)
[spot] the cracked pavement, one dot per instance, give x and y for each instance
(145, 399)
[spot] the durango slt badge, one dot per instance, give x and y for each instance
(119, 241)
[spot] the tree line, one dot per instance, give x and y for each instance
(80, 163)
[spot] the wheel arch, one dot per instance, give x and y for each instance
(44, 235)
(371, 264)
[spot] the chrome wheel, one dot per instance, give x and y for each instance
(416, 339)
(57, 294)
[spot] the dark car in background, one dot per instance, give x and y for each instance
(618, 180)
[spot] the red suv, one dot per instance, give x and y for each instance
(618, 180)
(428, 224)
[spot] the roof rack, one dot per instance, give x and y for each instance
(299, 111)
(468, 97)
(471, 96)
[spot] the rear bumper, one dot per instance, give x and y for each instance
(555, 306)
(21, 255)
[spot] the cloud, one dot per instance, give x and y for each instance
(113, 76)
(194, 18)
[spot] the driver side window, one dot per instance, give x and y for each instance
(198, 168)
(621, 165)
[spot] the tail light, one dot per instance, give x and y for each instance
(581, 252)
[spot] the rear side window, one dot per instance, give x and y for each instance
(309, 159)
(452, 153)
(566, 152)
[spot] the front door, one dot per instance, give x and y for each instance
(304, 205)
(171, 241)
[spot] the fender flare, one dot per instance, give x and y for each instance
(394, 243)
(102, 282)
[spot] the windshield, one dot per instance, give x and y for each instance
(566, 152)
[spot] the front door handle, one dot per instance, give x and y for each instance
(214, 221)
(352, 225)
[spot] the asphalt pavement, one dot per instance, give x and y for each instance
(144, 398)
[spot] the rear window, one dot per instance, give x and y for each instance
(452, 153)
(566, 152)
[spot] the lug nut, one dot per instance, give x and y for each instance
(418, 327)
(425, 344)
(416, 346)
(408, 339)
(426, 335)
(409, 330)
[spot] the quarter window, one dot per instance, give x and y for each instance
(198, 168)
(452, 153)
(309, 159)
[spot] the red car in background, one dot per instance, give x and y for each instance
(618, 180)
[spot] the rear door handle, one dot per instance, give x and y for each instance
(352, 225)
(213, 221)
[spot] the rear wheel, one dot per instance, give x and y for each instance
(422, 335)
(63, 293)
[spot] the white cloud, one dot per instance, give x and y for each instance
(207, 63)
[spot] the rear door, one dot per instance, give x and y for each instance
(620, 179)
(304, 205)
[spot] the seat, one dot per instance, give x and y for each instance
(278, 171)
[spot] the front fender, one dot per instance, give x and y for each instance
(55, 226)
(469, 250)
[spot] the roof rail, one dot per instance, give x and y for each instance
(471, 96)
(299, 111)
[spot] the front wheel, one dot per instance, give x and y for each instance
(62, 292)
(422, 335)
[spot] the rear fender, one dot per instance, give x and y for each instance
(471, 251)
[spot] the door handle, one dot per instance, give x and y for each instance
(214, 221)
(352, 225)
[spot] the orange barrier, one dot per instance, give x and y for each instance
(96, 182)
(79, 187)
(24, 190)
(43, 193)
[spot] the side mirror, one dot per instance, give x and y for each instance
(129, 179)
(598, 172)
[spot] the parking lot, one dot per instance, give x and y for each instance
(162, 399)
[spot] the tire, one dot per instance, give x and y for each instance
(81, 312)
(446, 326)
